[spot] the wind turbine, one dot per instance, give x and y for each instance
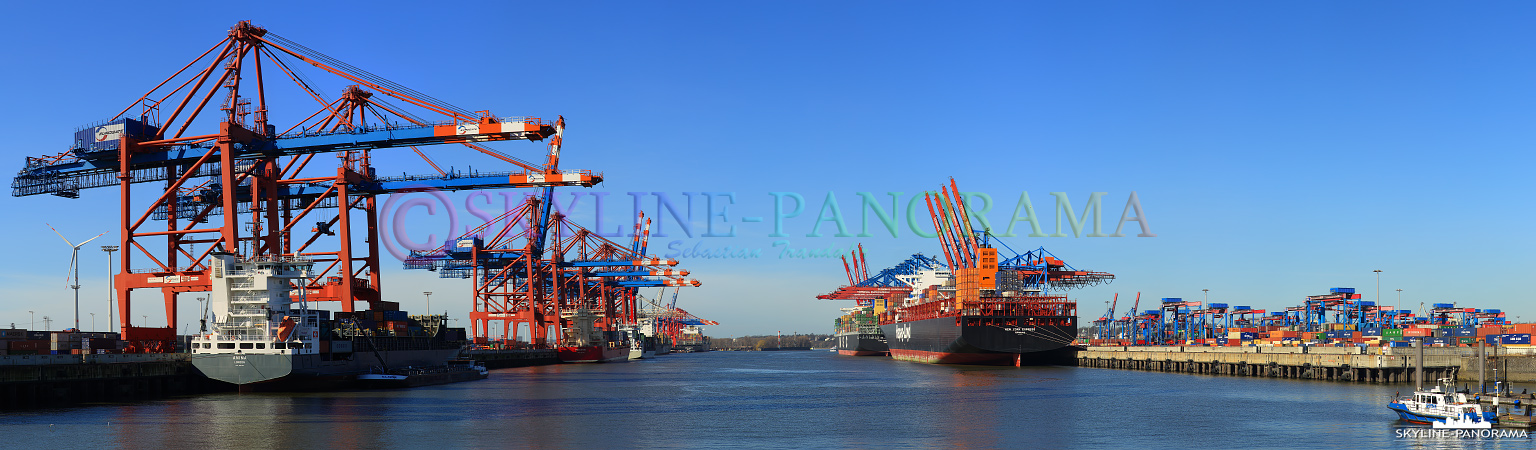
(74, 265)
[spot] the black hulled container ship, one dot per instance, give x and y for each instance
(950, 319)
(976, 309)
(858, 333)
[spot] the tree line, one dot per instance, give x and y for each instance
(772, 341)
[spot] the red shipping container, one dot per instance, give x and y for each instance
(29, 345)
(1417, 332)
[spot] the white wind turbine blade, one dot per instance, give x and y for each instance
(72, 264)
(71, 268)
(61, 235)
(87, 241)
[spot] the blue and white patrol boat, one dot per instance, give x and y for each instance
(1440, 406)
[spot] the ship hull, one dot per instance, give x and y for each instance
(308, 371)
(640, 353)
(862, 344)
(593, 354)
(943, 340)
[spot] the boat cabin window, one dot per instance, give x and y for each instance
(207, 345)
(261, 346)
(227, 345)
(245, 345)
(279, 345)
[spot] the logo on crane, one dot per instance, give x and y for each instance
(109, 132)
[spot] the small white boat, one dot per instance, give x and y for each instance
(381, 377)
(455, 371)
(1442, 407)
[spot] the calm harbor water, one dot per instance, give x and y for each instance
(767, 400)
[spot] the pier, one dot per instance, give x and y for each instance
(504, 358)
(1354, 364)
(31, 381)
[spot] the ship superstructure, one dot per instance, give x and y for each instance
(260, 319)
(263, 331)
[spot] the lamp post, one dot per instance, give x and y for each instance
(1378, 286)
(1207, 295)
(93, 322)
(34, 320)
(146, 320)
(111, 282)
(429, 302)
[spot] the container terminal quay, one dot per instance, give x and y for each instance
(282, 251)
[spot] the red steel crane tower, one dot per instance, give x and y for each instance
(239, 183)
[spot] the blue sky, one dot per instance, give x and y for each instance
(1278, 150)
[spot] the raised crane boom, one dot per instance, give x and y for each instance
(240, 185)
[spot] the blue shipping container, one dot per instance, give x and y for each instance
(1517, 339)
(1341, 291)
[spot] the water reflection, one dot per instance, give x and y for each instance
(761, 400)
